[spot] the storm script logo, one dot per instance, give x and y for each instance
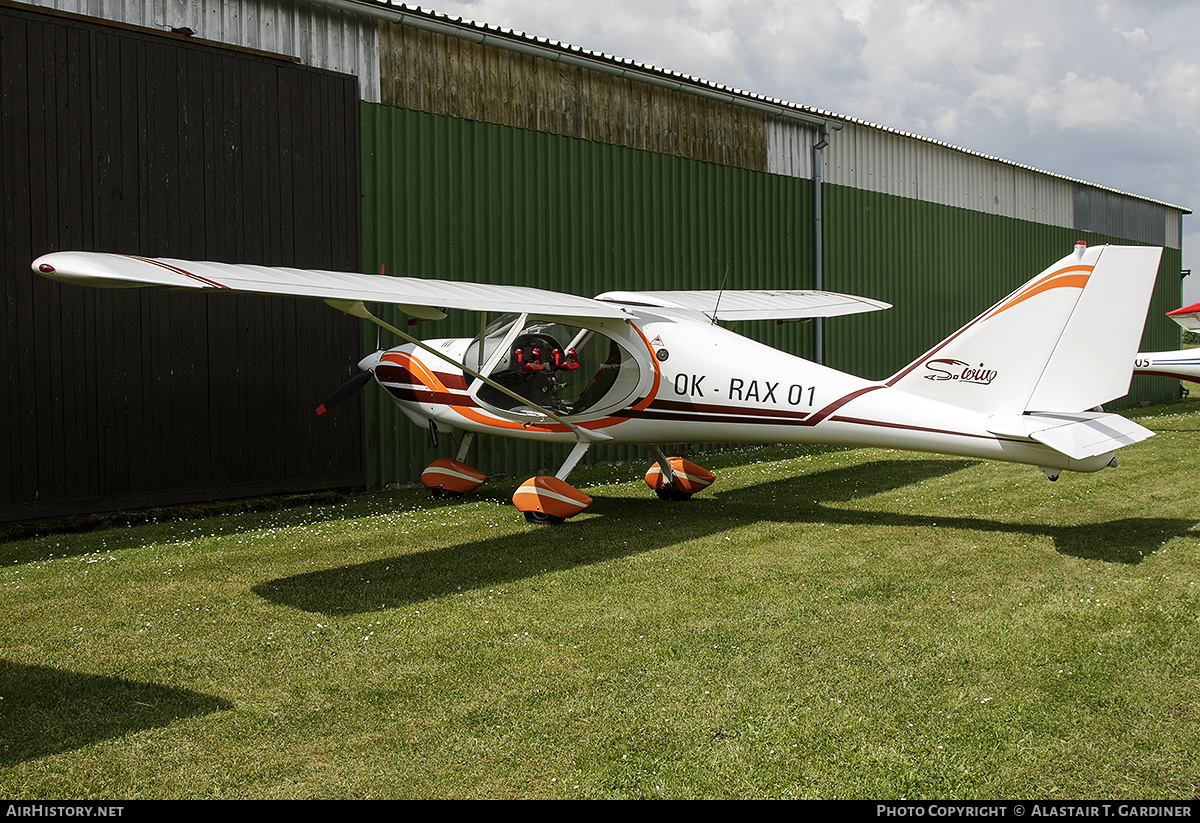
(960, 371)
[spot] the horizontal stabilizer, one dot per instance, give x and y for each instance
(752, 304)
(1078, 436)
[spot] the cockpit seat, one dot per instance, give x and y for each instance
(534, 353)
(565, 361)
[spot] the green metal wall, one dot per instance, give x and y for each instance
(941, 266)
(457, 199)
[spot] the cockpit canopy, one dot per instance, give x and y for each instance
(568, 370)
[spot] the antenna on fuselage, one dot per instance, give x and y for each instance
(720, 291)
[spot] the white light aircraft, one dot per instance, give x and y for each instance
(1020, 383)
(1183, 364)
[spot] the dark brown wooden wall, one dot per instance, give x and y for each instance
(112, 140)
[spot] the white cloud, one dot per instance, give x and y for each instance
(1137, 38)
(1176, 92)
(1088, 104)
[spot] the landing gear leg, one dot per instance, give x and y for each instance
(573, 459)
(464, 445)
(669, 490)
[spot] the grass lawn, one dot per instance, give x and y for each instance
(819, 623)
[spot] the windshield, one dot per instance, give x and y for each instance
(563, 369)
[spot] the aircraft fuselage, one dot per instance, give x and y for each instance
(681, 380)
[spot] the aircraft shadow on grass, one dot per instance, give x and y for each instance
(128, 531)
(632, 526)
(46, 711)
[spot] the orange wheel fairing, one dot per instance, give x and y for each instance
(689, 477)
(452, 476)
(549, 495)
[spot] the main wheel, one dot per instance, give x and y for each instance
(446, 494)
(543, 519)
(672, 494)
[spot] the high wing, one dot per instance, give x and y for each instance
(413, 295)
(427, 298)
(752, 304)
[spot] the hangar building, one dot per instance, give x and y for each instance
(355, 134)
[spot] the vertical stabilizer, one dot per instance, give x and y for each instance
(1064, 341)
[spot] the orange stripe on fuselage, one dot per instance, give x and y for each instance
(431, 381)
(417, 369)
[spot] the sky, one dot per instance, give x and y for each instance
(1107, 92)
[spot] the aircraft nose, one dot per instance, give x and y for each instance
(370, 361)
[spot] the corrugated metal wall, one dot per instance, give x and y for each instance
(873, 159)
(941, 266)
(790, 147)
(877, 160)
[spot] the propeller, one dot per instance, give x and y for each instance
(348, 388)
(366, 369)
